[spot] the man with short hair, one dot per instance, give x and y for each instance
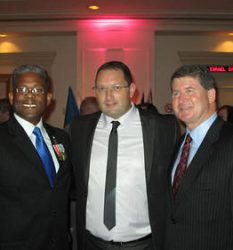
(120, 158)
(201, 175)
(34, 169)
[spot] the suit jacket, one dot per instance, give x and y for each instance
(201, 216)
(159, 136)
(33, 216)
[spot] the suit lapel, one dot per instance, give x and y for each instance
(89, 131)
(148, 131)
(205, 150)
(172, 162)
(24, 144)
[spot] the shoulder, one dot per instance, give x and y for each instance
(56, 134)
(226, 130)
(83, 120)
(3, 129)
(167, 120)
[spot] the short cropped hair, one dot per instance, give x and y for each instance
(200, 72)
(30, 68)
(116, 65)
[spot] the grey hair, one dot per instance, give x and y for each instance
(30, 68)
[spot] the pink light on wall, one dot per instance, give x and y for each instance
(113, 23)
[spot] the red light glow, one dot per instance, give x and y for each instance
(113, 23)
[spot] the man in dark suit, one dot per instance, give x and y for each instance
(33, 200)
(145, 141)
(201, 190)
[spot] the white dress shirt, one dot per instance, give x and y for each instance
(132, 219)
(29, 127)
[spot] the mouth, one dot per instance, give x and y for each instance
(29, 105)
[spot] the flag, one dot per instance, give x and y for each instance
(71, 108)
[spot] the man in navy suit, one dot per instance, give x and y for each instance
(33, 207)
(201, 195)
(145, 142)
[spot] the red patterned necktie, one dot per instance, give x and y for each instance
(182, 166)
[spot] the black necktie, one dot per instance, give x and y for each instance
(110, 186)
(45, 156)
(182, 166)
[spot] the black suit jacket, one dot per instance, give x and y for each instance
(159, 136)
(201, 216)
(33, 216)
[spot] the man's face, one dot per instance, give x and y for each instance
(113, 101)
(192, 103)
(30, 106)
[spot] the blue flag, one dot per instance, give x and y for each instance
(71, 108)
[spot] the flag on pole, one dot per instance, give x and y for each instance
(71, 108)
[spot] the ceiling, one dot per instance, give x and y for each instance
(15, 10)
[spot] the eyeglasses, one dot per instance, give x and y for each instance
(114, 88)
(25, 90)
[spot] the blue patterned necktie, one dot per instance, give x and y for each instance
(45, 156)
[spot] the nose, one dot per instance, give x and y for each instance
(108, 93)
(182, 97)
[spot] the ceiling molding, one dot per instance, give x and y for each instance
(207, 58)
(75, 14)
(44, 59)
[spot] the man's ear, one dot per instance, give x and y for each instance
(11, 98)
(49, 98)
(212, 95)
(132, 89)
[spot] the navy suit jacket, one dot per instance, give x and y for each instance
(159, 136)
(201, 215)
(33, 216)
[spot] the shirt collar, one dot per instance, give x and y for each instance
(124, 119)
(200, 131)
(28, 126)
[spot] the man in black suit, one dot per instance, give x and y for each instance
(33, 202)
(201, 195)
(145, 141)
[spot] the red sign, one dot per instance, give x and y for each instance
(225, 69)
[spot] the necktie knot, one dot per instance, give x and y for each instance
(115, 125)
(188, 139)
(37, 132)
